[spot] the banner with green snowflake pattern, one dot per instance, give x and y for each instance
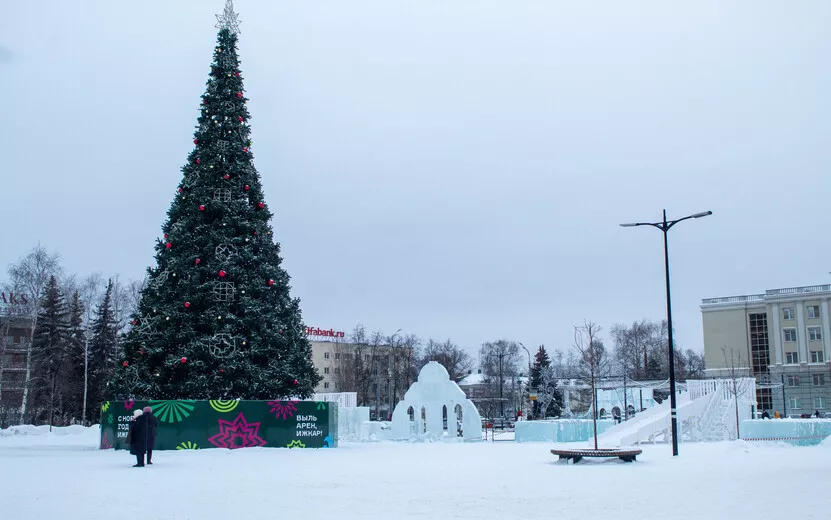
(195, 425)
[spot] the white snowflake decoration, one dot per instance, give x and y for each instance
(221, 345)
(225, 252)
(160, 279)
(224, 291)
(222, 194)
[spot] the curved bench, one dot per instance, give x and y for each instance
(577, 455)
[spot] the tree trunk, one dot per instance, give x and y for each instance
(594, 415)
(86, 379)
(28, 379)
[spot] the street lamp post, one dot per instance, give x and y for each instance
(665, 225)
(528, 384)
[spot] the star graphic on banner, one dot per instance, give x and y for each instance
(228, 19)
(238, 433)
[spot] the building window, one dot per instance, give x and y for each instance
(813, 312)
(366, 357)
(337, 355)
(791, 358)
(814, 333)
(819, 403)
(817, 356)
(326, 385)
(787, 313)
(325, 355)
(759, 345)
(795, 404)
(337, 370)
(819, 379)
(793, 380)
(790, 335)
(326, 370)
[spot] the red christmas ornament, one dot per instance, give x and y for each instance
(134, 322)
(260, 205)
(221, 274)
(255, 233)
(141, 351)
(125, 364)
(180, 190)
(240, 118)
(236, 74)
(204, 101)
(222, 370)
(169, 245)
(187, 305)
(239, 95)
(295, 381)
(201, 207)
(198, 161)
(270, 282)
(196, 141)
(184, 360)
(226, 176)
(165, 235)
(246, 187)
(245, 149)
(197, 261)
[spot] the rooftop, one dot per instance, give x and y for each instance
(770, 294)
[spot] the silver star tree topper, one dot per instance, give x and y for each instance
(228, 19)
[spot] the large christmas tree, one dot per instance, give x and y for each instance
(216, 319)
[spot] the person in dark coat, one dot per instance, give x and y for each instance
(152, 424)
(138, 437)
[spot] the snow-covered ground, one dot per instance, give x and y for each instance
(62, 476)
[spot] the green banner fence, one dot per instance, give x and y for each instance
(188, 425)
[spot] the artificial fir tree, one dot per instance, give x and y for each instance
(216, 319)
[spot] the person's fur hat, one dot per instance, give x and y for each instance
(147, 409)
(136, 414)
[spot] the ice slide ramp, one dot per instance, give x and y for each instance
(653, 425)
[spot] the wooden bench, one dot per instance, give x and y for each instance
(577, 455)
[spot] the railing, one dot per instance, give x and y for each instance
(798, 290)
(733, 299)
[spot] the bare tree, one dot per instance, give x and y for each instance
(735, 372)
(29, 276)
(91, 289)
(456, 360)
(593, 361)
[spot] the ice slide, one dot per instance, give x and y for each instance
(653, 425)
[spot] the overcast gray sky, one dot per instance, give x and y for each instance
(453, 168)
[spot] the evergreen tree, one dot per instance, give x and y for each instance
(216, 319)
(50, 347)
(74, 394)
(102, 351)
(541, 361)
(543, 380)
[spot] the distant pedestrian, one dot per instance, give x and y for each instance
(152, 424)
(765, 415)
(816, 414)
(138, 437)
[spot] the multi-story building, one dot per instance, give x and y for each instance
(380, 377)
(14, 341)
(782, 337)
